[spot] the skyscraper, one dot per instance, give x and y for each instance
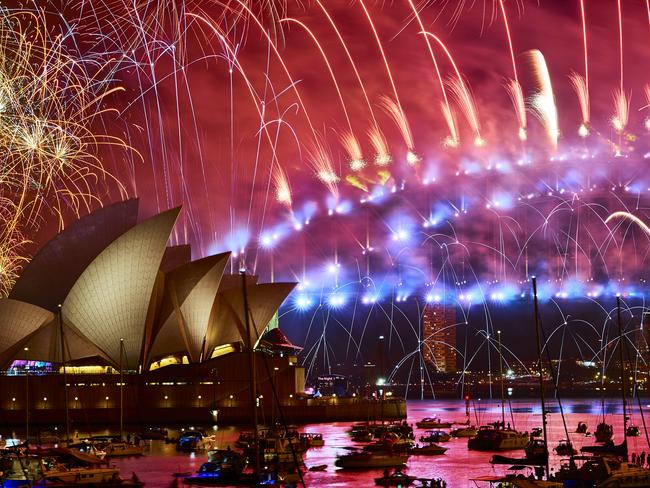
(643, 338)
(439, 337)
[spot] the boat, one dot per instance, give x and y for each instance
(312, 439)
(565, 448)
(390, 444)
(515, 481)
(277, 450)
(402, 429)
(428, 450)
(470, 431)
(103, 477)
(122, 449)
(193, 440)
(432, 423)
(224, 466)
(608, 448)
(61, 468)
(536, 448)
(536, 455)
(362, 436)
(633, 431)
(396, 478)
(435, 436)
(604, 432)
(603, 472)
(87, 447)
(318, 467)
(489, 438)
(581, 428)
(367, 460)
(525, 461)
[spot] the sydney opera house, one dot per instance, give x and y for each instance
(108, 294)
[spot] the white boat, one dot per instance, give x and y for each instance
(367, 460)
(83, 476)
(65, 468)
(470, 431)
(435, 436)
(122, 449)
(490, 438)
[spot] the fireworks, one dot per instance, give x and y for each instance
(621, 111)
(518, 102)
(49, 101)
(467, 105)
(396, 113)
(579, 85)
(543, 101)
(282, 188)
(351, 144)
(298, 118)
(378, 141)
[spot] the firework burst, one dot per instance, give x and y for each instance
(282, 187)
(353, 149)
(542, 102)
(396, 113)
(621, 115)
(379, 144)
(49, 103)
(516, 95)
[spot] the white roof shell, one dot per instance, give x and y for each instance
(110, 299)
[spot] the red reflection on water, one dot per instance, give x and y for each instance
(457, 466)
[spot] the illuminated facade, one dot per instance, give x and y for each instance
(439, 337)
(109, 291)
(643, 338)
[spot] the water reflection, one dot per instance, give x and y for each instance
(457, 466)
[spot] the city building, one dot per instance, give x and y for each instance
(439, 337)
(643, 339)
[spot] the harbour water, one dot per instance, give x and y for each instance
(457, 466)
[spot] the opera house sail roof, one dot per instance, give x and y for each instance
(106, 278)
(190, 291)
(55, 268)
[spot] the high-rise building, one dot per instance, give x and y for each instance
(643, 338)
(439, 337)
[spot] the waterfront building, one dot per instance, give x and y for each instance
(107, 295)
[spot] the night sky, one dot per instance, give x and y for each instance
(224, 102)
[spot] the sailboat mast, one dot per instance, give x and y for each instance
(121, 390)
(65, 378)
(26, 398)
(620, 349)
(503, 407)
(540, 368)
(251, 373)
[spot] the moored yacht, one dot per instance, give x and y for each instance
(223, 466)
(432, 423)
(469, 431)
(368, 460)
(490, 438)
(435, 436)
(603, 472)
(122, 449)
(604, 432)
(428, 450)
